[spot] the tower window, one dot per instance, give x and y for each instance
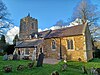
(33, 26)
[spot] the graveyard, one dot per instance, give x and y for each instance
(73, 68)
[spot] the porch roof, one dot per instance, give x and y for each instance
(29, 43)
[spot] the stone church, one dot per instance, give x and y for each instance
(74, 42)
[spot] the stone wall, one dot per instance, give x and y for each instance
(78, 52)
(49, 52)
(88, 44)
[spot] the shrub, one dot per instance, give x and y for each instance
(2, 53)
(30, 65)
(20, 67)
(7, 68)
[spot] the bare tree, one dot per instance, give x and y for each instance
(3, 11)
(87, 12)
(5, 22)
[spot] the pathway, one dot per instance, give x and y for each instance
(50, 61)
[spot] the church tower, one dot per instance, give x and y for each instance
(28, 26)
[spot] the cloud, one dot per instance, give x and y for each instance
(76, 22)
(39, 30)
(60, 24)
(11, 34)
(55, 27)
(51, 28)
(46, 29)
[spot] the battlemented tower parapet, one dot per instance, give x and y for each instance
(28, 25)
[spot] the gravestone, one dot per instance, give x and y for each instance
(65, 59)
(5, 57)
(22, 55)
(40, 60)
(84, 70)
(93, 71)
(55, 73)
(34, 55)
(15, 56)
(64, 67)
(98, 70)
(10, 57)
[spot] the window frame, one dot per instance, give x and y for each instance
(25, 52)
(52, 45)
(70, 47)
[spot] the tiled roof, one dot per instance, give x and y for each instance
(29, 43)
(68, 31)
(44, 33)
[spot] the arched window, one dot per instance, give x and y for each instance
(53, 44)
(70, 44)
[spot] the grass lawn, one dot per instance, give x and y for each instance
(74, 68)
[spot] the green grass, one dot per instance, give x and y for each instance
(74, 68)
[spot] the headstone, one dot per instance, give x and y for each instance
(98, 71)
(65, 59)
(10, 57)
(93, 70)
(40, 60)
(84, 70)
(55, 73)
(22, 55)
(5, 57)
(64, 67)
(18, 54)
(18, 57)
(15, 56)
(34, 55)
